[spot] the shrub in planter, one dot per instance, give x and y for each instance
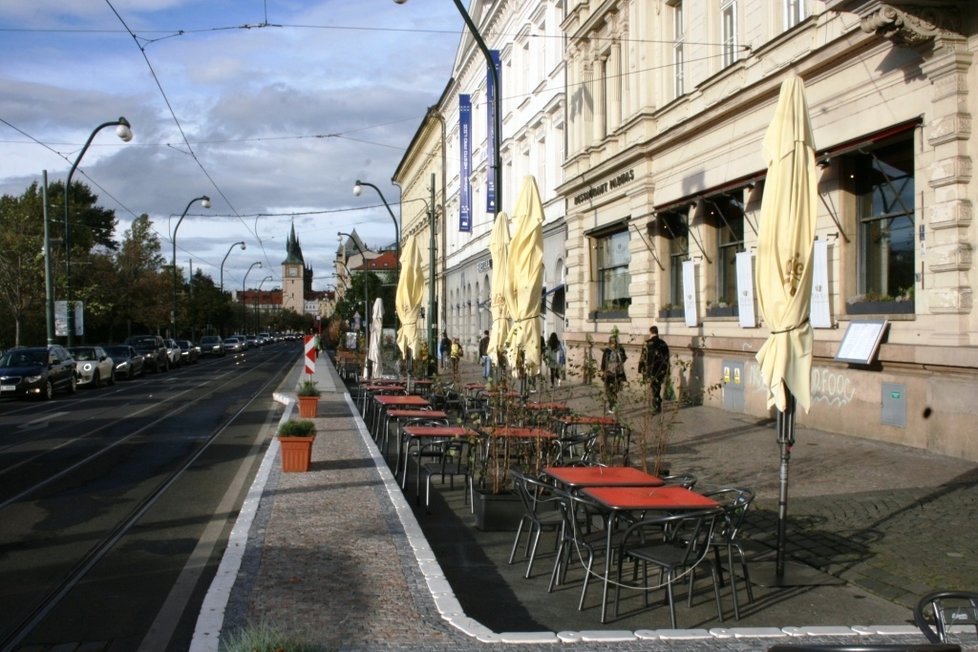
(308, 394)
(296, 437)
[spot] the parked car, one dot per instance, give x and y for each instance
(93, 365)
(37, 371)
(153, 350)
(252, 341)
(173, 351)
(128, 362)
(233, 345)
(189, 352)
(211, 345)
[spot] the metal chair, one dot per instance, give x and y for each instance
(578, 538)
(452, 460)
(735, 502)
(685, 480)
(936, 613)
(541, 512)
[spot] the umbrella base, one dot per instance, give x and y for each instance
(764, 573)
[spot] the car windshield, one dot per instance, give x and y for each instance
(144, 341)
(23, 358)
(118, 351)
(83, 353)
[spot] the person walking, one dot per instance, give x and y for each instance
(484, 354)
(555, 359)
(455, 353)
(444, 349)
(654, 366)
(613, 370)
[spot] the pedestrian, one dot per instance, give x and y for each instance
(444, 348)
(455, 354)
(613, 370)
(654, 366)
(484, 354)
(556, 359)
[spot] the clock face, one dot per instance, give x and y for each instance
(293, 271)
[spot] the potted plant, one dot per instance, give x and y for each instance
(295, 437)
(308, 394)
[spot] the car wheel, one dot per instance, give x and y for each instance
(96, 380)
(48, 393)
(73, 386)
(112, 377)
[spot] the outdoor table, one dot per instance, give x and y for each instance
(418, 433)
(616, 500)
(580, 429)
(543, 410)
(575, 477)
(384, 402)
(369, 389)
(404, 417)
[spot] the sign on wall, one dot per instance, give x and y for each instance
(689, 293)
(465, 162)
(745, 289)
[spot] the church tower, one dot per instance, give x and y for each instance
(294, 276)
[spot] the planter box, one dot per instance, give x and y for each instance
(672, 313)
(296, 453)
(880, 308)
(308, 406)
(497, 512)
(725, 311)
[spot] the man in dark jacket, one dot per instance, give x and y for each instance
(613, 370)
(654, 365)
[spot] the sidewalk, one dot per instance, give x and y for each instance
(341, 559)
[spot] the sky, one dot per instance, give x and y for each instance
(272, 108)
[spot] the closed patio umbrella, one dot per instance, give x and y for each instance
(525, 278)
(498, 253)
(408, 298)
(376, 332)
(784, 272)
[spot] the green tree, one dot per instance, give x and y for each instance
(142, 281)
(22, 264)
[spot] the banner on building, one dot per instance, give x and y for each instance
(745, 289)
(690, 311)
(819, 314)
(491, 153)
(465, 162)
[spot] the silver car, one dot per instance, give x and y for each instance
(93, 365)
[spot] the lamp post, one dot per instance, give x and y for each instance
(357, 190)
(258, 305)
(366, 296)
(205, 201)
(243, 247)
(123, 131)
(243, 281)
(496, 101)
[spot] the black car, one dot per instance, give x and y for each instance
(37, 371)
(189, 352)
(128, 363)
(212, 345)
(153, 348)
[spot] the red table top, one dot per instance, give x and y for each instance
(668, 497)
(521, 433)
(602, 476)
(404, 399)
(437, 431)
(422, 414)
(586, 419)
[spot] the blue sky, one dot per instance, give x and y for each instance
(273, 108)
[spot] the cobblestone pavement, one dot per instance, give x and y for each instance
(344, 560)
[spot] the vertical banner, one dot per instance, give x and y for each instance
(689, 293)
(491, 152)
(465, 162)
(820, 316)
(310, 354)
(745, 289)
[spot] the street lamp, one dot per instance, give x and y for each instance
(243, 281)
(243, 247)
(358, 189)
(205, 201)
(258, 305)
(366, 296)
(496, 102)
(124, 131)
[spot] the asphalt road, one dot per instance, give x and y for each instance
(115, 503)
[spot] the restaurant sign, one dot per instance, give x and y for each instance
(600, 189)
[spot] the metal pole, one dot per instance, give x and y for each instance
(225, 260)
(244, 324)
(48, 279)
(786, 439)
(173, 313)
(366, 295)
(432, 326)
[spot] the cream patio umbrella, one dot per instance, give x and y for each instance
(498, 253)
(784, 272)
(525, 279)
(373, 362)
(408, 298)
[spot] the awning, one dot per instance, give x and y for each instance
(556, 288)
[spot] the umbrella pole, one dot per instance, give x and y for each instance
(786, 439)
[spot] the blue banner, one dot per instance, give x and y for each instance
(491, 153)
(465, 162)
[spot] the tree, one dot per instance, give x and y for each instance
(22, 263)
(142, 281)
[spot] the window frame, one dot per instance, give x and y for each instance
(612, 273)
(728, 31)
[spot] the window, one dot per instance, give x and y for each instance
(726, 214)
(612, 266)
(678, 56)
(675, 228)
(794, 13)
(728, 31)
(884, 188)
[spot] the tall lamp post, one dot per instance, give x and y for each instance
(236, 244)
(366, 296)
(357, 190)
(258, 305)
(205, 201)
(243, 281)
(496, 101)
(124, 131)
